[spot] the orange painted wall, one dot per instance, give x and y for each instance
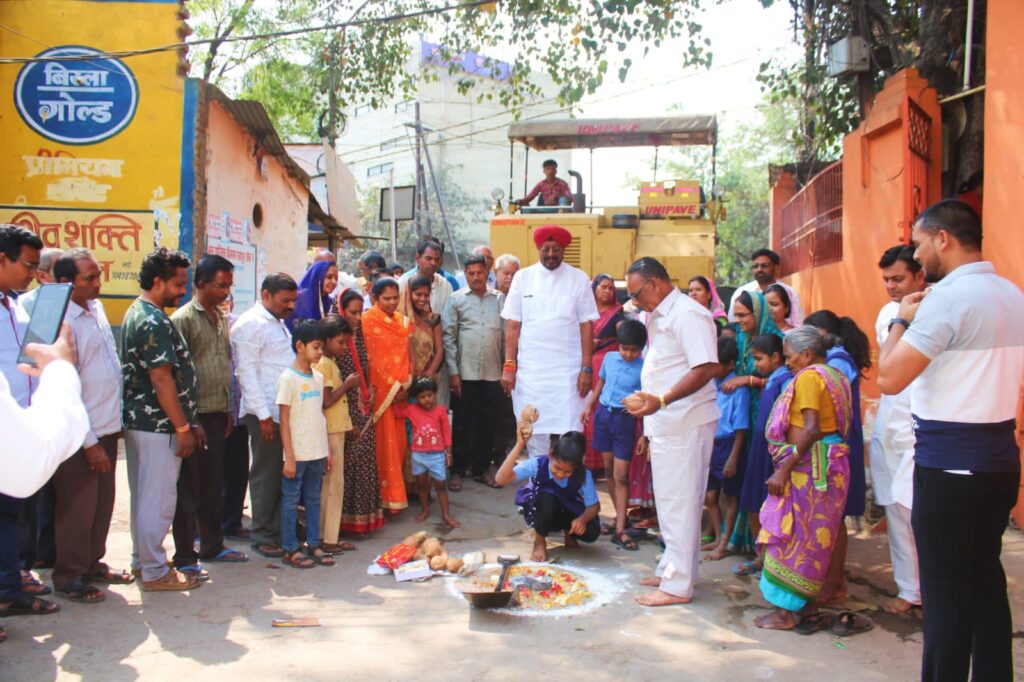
(873, 160)
(1004, 140)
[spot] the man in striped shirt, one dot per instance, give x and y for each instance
(963, 342)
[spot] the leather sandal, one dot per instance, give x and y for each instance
(172, 581)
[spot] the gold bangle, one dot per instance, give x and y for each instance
(183, 429)
(661, 399)
(750, 381)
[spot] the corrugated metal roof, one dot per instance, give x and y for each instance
(253, 117)
(597, 133)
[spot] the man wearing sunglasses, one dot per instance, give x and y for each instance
(680, 416)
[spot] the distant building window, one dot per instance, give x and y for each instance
(374, 171)
(390, 144)
(361, 110)
(407, 105)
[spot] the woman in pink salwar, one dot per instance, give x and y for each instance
(806, 436)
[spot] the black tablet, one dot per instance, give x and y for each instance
(47, 316)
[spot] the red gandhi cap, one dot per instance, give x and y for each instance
(559, 235)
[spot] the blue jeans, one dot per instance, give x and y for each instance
(306, 484)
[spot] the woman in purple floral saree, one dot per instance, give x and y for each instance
(806, 436)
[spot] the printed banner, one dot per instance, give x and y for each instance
(118, 239)
(91, 144)
(243, 257)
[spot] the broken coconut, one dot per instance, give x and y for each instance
(633, 401)
(529, 415)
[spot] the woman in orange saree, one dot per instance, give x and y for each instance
(387, 333)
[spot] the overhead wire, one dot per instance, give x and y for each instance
(399, 152)
(285, 33)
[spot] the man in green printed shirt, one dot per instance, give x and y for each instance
(160, 415)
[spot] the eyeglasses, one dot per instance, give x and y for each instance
(32, 267)
(636, 294)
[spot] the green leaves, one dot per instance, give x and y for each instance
(575, 42)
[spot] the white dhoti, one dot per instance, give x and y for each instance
(903, 551)
(558, 403)
(679, 469)
(539, 444)
(892, 479)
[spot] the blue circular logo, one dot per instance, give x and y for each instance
(76, 101)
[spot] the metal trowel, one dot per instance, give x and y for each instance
(499, 597)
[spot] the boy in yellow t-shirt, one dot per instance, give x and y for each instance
(337, 333)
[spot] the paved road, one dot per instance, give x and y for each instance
(374, 628)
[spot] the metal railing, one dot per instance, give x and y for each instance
(812, 223)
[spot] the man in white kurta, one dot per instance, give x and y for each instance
(892, 440)
(551, 310)
(680, 418)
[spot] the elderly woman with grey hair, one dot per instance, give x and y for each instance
(800, 520)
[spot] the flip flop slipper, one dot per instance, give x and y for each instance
(638, 533)
(81, 592)
(850, 623)
(195, 571)
(27, 605)
(113, 577)
(298, 559)
(814, 622)
(339, 547)
(455, 487)
(33, 585)
(746, 568)
(629, 544)
(607, 529)
(36, 589)
(323, 558)
(268, 550)
(228, 556)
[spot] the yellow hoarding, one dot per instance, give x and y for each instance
(92, 144)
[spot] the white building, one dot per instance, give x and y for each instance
(468, 146)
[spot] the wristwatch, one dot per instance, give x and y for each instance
(898, 320)
(587, 370)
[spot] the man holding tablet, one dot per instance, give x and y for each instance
(19, 259)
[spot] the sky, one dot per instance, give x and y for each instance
(743, 34)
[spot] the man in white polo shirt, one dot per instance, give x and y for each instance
(680, 417)
(892, 439)
(961, 343)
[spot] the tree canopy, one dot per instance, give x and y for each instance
(575, 42)
(929, 35)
